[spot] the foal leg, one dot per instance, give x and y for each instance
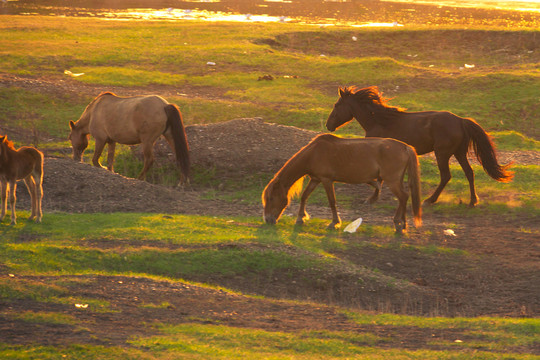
(100, 144)
(4, 190)
(31, 186)
(469, 173)
(38, 177)
(444, 170)
(148, 153)
(12, 200)
(302, 214)
(330, 193)
(377, 184)
(110, 155)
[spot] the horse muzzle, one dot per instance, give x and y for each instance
(270, 220)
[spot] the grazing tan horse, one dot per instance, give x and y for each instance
(111, 119)
(440, 131)
(26, 164)
(328, 158)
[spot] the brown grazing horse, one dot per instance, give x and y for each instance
(111, 119)
(328, 158)
(440, 131)
(26, 164)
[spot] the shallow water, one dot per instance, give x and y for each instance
(316, 12)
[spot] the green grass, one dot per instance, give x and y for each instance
(418, 67)
(203, 249)
(160, 53)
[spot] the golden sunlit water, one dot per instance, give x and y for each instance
(356, 13)
(531, 5)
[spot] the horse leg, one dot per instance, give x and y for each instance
(4, 186)
(444, 170)
(377, 184)
(12, 200)
(110, 155)
(100, 144)
(330, 193)
(302, 214)
(31, 187)
(37, 180)
(39, 197)
(469, 173)
(148, 153)
(400, 221)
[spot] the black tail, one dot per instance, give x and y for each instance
(485, 152)
(181, 147)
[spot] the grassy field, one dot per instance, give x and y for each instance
(201, 249)
(45, 266)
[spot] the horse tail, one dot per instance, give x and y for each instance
(484, 150)
(181, 146)
(414, 185)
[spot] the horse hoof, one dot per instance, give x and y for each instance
(428, 202)
(333, 226)
(299, 222)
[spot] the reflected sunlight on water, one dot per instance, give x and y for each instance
(357, 13)
(530, 5)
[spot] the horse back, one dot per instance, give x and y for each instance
(128, 119)
(422, 130)
(356, 160)
(22, 162)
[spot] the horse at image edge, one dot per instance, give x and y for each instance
(25, 163)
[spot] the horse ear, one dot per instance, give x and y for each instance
(71, 124)
(341, 92)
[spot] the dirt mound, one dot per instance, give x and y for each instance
(240, 146)
(234, 148)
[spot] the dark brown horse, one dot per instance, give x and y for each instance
(111, 119)
(26, 164)
(440, 131)
(328, 158)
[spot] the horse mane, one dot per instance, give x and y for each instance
(5, 143)
(295, 189)
(373, 98)
(8, 143)
(106, 93)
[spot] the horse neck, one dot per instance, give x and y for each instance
(84, 121)
(291, 172)
(7, 153)
(364, 117)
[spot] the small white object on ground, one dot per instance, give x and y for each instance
(352, 227)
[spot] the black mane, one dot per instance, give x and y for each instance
(373, 99)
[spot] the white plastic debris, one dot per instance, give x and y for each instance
(449, 232)
(352, 227)
(469, 66)
(354, 38)
(67, 72)
(211, 63)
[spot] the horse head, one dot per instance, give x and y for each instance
(79, 141)
(274, 199)
(2, 150)
(342, 112)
